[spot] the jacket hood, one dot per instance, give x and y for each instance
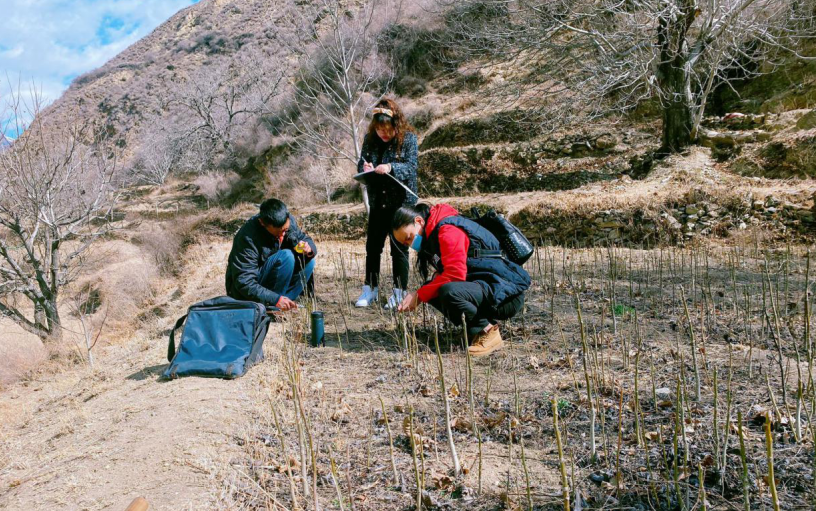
(436, 215)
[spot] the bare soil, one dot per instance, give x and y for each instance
(96, 440)
(327, 400)
(79, 439)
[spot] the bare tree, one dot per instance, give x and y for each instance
(592, 58)
(57, 192)
(199, 122)
(340, 74)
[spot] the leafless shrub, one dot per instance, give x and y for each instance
(298, 182)
(158, 155)
(411, 86)
(327, 179)
(83, 305)
(416, 52)
(214, 186)
(163, 245)
(421, 119)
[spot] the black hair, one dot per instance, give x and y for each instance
(405, 216)
(273, 212)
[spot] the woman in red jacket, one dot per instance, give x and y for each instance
(472, 277)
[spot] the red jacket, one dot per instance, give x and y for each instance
(453, 247)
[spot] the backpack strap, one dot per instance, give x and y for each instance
(478, 253)
(171, 346)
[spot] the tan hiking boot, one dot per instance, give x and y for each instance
(486, 343)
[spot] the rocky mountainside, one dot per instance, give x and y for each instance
(469, 145)
(119, 94)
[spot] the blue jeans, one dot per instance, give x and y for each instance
(278, 274)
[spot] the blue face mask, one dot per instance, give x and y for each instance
(417, 243)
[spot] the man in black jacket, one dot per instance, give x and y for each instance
(271, 258)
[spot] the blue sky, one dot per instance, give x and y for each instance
(48, 43)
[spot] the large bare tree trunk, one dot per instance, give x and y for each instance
(674, 75)
(41, 321)
(595, 58)
(54, 323)
(677, 107)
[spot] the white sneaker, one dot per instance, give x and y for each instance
(367, 297)
(396, 298)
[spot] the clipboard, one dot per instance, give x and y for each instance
(361, 177)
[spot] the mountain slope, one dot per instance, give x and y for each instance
(120, 93)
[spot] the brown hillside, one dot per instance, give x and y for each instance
(118, 94)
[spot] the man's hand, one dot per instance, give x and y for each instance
(303, 247)
(367, 167)
(286, 304)
(408, 303)
(385, 168)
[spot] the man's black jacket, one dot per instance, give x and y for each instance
(252, 246)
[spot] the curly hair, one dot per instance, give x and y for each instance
(397, 121)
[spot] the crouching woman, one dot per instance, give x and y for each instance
(472, 276)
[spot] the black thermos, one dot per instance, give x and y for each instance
(318, 338)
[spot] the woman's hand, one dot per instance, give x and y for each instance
(367, 167)
(385, 168)
(409, 303)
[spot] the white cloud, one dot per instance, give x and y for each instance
(49, 42)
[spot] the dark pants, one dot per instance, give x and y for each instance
(379, 228)
(283, 274)
(469, 298)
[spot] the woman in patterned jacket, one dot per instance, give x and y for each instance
(389, 147)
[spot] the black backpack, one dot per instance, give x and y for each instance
(514, 244)
(222, 338)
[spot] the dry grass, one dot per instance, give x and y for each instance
(20, 352)
(675, 177)
(124, 276)
(327, 400)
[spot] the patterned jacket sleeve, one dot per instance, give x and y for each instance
(365, 154)
(406, 169)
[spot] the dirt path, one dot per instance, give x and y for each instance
(97, 440)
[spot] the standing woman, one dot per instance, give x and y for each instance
(390, 147)
(473, 277)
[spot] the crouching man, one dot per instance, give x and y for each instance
(271, 260)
